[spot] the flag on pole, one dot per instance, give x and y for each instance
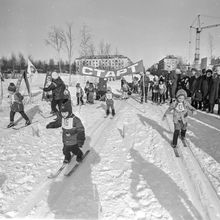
(31, 70)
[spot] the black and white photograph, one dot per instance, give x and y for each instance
(110, 109)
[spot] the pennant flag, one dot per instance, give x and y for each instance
(31, 70)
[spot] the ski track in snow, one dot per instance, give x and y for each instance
(130, 173)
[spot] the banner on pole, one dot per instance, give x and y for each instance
(31, 70)
(47, 96)
(23, 75)
(132, 69)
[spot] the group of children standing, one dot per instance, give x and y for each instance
(159, 89)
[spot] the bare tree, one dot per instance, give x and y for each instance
(56, 41)
(104, 48)
(101, 47)
(91, 49)
(85, 40)
(107, 49)
(67, 38)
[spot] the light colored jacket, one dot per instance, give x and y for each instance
(180, 111)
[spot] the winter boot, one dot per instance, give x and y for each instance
(79, 158)
(65, 161)
(27, 123)
(113, 112)
(173, 145)
(107, 112)
(58, 116)
(183, 135)
(11, 124)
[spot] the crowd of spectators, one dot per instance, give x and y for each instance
(202, 87)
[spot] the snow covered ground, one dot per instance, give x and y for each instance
(130, 173)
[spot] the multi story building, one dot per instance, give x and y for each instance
(110, 62)
(168, 63)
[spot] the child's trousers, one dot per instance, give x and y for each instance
(179, 128)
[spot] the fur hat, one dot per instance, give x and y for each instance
(209, 71)
(181, 92)
(54, 75)
(66, 107)
(12, 87)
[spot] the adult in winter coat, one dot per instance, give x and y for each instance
(57, 87)
(86, 89)
(196, 91)
(205, 88)
(183, 83)
(91, 91)
(171, 83)
(191, 80)
(144, 86)
(73, 136)
(214, 93)
(16, 105)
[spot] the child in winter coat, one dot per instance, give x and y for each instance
(125, 90)
(162, 91)
(108, 97)
(155, 91)
(73, 136)
(79, 94)
(16, 105)
(180, 109)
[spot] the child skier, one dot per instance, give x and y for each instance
(73, 133)
(79, 94)
(16, 105)
(180, 109)
(108, 97)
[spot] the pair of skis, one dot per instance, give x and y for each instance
(175, 149)
(71, 171)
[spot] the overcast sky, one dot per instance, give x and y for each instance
(140, 29)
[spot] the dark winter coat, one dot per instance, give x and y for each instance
(196, 88)
(57, 87)
(91, 91)
(16, 102)
(205, 87)
(146, 82)
(214, 92)
(73, 131)
(171, 79)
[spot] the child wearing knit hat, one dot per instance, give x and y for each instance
(180, 108)
(16, 105)
(73, 136)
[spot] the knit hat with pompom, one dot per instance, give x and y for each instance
(181, 92)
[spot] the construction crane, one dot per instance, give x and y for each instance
(199, 29)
